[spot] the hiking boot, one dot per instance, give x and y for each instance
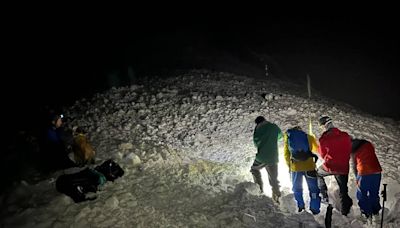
(325, 199)
(314, 211)
(346, 210)
(275, 197)
(300, 209)
(364, 217)
(376, 218)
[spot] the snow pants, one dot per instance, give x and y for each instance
(368, 193)
(345, 201)
(272, 171)
(312, 183)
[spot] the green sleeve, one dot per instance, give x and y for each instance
(280, 134)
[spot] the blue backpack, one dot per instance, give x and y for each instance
(298, 145)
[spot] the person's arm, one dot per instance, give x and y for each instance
(255, 141)
(314, 147)
(353, 163)
(321, 151)
(313, 143)
(280, 134)
(286, 152)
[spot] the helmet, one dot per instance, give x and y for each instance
(323, 120)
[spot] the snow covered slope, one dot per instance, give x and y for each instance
(185, 143)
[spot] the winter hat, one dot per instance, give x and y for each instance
(297, 127)
(259, 119)
(324, 120)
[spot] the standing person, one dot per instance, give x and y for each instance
(298, 152)
(367, 170)
(335, 149)
(265, 137)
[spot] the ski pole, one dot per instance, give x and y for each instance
(328, 216)
(383, 204)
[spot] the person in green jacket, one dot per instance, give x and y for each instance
(265, 137)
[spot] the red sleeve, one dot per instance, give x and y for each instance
(321, 150)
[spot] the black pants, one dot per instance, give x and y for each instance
(345, 201)
(272, 171)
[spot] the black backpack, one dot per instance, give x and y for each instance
(76, 185)
(110, 169)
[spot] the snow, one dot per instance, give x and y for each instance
(185, 143)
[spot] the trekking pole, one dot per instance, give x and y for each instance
(383, 193)
(328, 216)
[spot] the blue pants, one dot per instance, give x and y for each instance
(368, 193)
(312, 183)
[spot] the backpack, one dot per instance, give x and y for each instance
(110, 169)
(298, 145)
(76, 185)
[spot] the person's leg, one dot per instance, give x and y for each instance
(297, 187)
(346, 201)
(321, 173)
(272, 171)
(312, 183)
(255, 171)
(362, 196)
(375, 182)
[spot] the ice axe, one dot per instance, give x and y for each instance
(383, 193)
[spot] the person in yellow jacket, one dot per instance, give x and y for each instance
(298, 153)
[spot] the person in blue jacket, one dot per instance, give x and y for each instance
(55, 148)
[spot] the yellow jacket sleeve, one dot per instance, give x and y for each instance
(313, 143)
(286, 152)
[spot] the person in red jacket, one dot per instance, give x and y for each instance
(367, 170)
(335, 149)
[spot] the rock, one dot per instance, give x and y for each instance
(133, 159)
(112, 202)
(125, 146)
(355, 224)
(248, 219)
(269, 97)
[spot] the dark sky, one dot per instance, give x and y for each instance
(350, 57)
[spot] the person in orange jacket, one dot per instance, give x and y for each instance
(367, 170)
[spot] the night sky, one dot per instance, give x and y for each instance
(351, 58)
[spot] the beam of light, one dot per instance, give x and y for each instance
(283, 177)
(310, 131)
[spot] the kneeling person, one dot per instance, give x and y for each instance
(83, 150)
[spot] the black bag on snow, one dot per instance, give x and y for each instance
(76, 185)
(110, 169)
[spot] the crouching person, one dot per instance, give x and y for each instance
(83, 150)
(300, 160)
(367, 170)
